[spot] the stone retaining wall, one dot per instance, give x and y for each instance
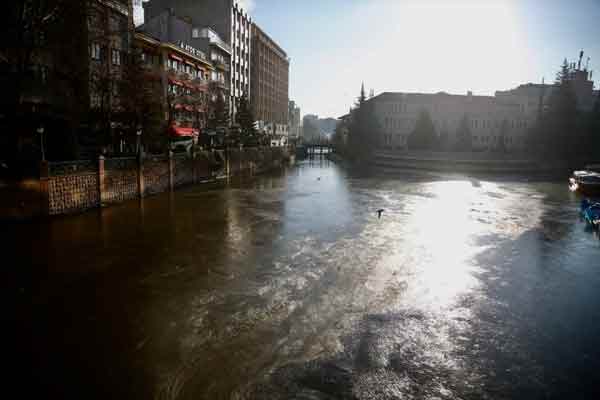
(75, 186)
(156, 175)
(120, 180)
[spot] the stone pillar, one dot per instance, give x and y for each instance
(141, 186)
(227, 157)
(44, 188)
(101, 180)
(194, 167)
(171, 171)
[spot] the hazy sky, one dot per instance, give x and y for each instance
(424, 45)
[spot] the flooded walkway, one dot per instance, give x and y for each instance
(290, 287)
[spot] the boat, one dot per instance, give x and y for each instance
(591, 213)
(585, 181)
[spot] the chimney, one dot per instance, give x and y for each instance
(470, 93)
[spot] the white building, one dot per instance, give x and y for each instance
(397, 114)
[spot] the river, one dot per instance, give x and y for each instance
(290, 286)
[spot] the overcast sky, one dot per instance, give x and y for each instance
(424, 45)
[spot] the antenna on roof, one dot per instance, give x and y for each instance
(580, 57)
(587, 63)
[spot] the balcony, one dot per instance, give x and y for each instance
(220, 83)
(220, 64)
(215, 40)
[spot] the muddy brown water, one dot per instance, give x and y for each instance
(288, 286)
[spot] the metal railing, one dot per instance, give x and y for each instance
(72, 167)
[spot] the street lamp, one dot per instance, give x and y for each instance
(138, 144)
(40, 130)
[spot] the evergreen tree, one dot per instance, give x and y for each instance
(245, 119)
(219, 113)
(363, 128)
(502, 138)
(559, 124)
(592, 134)
(463, 135)
(423, 137)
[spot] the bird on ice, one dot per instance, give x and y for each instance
(379, 212)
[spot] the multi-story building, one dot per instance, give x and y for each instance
(270, 84)
(295, 122)
(110, 36)
(184, 74)
(167, 27)
(310, 127)
(490, 121)
(211, 19)
(66, 75)
(533, 98)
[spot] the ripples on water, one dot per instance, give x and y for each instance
(291, 287)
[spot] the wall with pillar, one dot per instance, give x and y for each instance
(75, 186)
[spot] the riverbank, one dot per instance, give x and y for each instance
(76, 186)
(465, 163)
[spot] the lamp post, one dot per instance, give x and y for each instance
(138, 143)
(40, 130)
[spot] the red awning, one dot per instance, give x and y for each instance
(190, 63)
(175, 82)
(178, 131)
(189, 108)
(174, 57)
(178, 106)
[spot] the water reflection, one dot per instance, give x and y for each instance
(290, 286)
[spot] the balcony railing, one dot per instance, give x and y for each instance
(220, 83)
(220, 42)
(221, 64)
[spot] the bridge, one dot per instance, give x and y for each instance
(313, 150)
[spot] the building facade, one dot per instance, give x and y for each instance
(226, 26)
(183, 75)
(294, 121)
(69, 77)
(490, 121)
(270, 84)
(110, 37)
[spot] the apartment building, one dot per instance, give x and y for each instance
(270, 84)
(217, 18)
(73, 68)
(183, 74)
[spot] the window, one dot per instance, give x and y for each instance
(43, 74)
(95, 100)
(116, 57)
(195, 33)
(95, 51)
